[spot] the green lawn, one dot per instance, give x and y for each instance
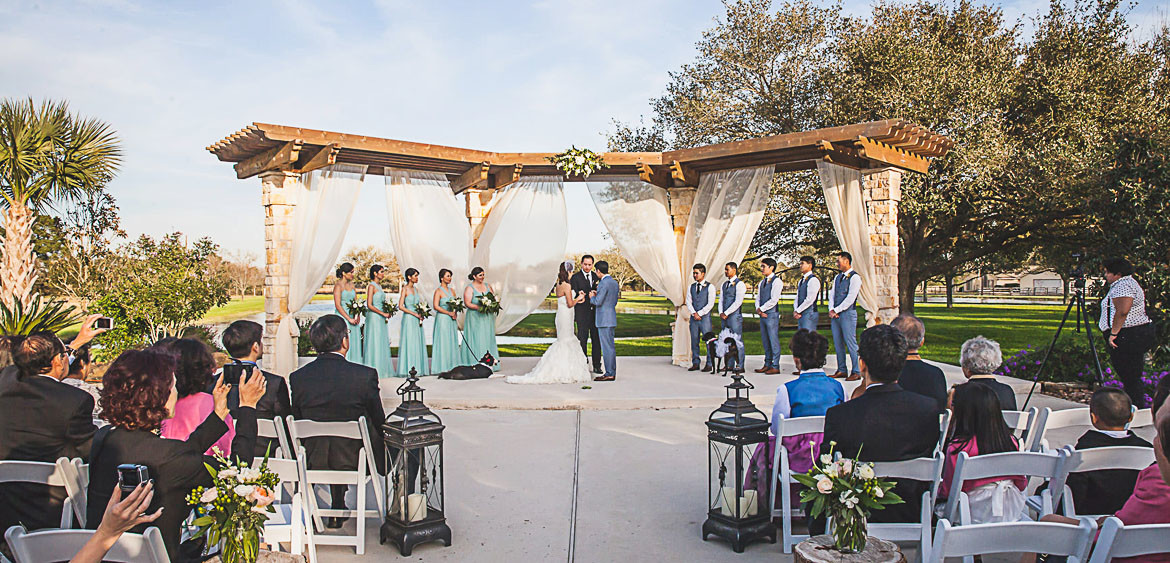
(243, 308)
(1013, 326)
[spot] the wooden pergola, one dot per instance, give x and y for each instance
(881, 149)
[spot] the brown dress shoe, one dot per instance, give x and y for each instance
(762, 370)
(839, 375)
(693, 368)
(853, 377)
(772, 371)
(795, 372)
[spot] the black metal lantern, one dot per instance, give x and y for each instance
(735, 430)
(415, 511)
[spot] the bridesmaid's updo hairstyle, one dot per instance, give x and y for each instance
(374, 270)
(443, 272)
(344, 269)
(410, 272)
(474, 272)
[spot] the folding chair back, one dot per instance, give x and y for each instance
(1134, 458)
(1141, 418)
(944, 425)
(925, 469)
(1025, 426)
(292, 521)
(62, 545)
(75, 474)
(1011, 537)
(1047, 466)
(1056, 420)
(1119, 540)
(274, 429)
(40, 472)
(782, 481)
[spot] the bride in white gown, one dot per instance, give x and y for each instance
(563, 362)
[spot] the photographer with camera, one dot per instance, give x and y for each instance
(1129, 334)
(138, 394)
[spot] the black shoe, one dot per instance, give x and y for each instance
(335, 523)
(694, 368)
(597, 371)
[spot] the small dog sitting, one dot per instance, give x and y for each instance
(482, 370)
(722, 349)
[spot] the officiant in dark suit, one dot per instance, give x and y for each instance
(585, 281)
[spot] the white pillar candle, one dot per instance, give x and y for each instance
(748, 503)
(729, 501)
(416, 507)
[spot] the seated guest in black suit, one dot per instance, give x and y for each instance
(919, 376)
(138, 393)
(979, 358)
(41, 419)
(886, 423)
(243, 341)
(332, 389)
(1105, 491)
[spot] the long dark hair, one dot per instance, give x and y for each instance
(194, 365)
(344, 268)
(977, 416)
(563, 273)
(474, 272)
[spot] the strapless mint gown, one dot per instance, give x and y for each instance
(479, 333)
(355, 331)
(445, 339)
(376, 346)
(412, 342)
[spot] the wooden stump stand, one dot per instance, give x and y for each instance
(819, 549)
(266, 556)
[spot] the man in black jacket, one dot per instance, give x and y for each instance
(41, 419)
(886, 423)
(243, 340)
(585, 281)
(917, 375)
(332, 389)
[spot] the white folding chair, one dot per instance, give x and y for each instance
(292, 522)
(1119, 540)
(925, 469)
(1025, 425)
(1056, 420)
(365, 475)
(1133, 458)
(944, 426)
(1047, 466)
(1011, 537)
(1141, 418)
(782, 480)
(75, 474)
(62, 545)
(40, 472)
(274, 429)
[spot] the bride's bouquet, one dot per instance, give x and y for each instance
(233, 510)
(356, 308)
(456, 305)
(389, 307)
(489, 303)
(423, 310)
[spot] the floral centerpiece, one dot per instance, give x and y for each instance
(847, 490)
(232, 512)
(489, 303)
(423, 310)
(456, 305)
(389, 307)
(578, 162)
(356, 308)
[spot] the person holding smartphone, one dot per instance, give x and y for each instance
(138, 393)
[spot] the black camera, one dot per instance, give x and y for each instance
(130, 475)
(233, 373)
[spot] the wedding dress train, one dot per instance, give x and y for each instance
(563, 362)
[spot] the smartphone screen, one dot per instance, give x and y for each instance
(232, 373)
(105, 322)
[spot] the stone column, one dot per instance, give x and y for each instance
(881, 190)
(278, 210)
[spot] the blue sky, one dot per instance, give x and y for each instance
(174, 77)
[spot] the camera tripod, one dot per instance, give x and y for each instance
(1078, 300)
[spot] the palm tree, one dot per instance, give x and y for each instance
(47, 156)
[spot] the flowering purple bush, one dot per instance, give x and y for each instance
(1071, 361)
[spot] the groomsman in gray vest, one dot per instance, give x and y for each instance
(700, 301)
(804, 308)
(730, 303)
(843, 315)
(768, 308)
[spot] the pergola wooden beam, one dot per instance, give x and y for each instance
(281, 157)
(323, 157)
(477, 177)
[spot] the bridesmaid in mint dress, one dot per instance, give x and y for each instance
(479, 328)
(376, 348)
(445, 338)
(343, 293)
(412, 341)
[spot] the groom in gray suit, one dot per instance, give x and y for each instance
(605, 299)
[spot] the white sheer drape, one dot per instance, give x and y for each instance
(325, 200)
(843, 198)
(428, 227)
(726, 213)
(522, 243)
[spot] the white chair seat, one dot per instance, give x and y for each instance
(62, 545)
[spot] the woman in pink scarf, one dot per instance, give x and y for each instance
(194, 375)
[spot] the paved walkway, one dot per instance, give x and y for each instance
(560, 473)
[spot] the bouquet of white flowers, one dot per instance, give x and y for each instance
(847, 490)
(389, 307)
(423, 310)
(455, 305)
(578, 162)
(489, 303)
(356, 308)
(232, 512)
